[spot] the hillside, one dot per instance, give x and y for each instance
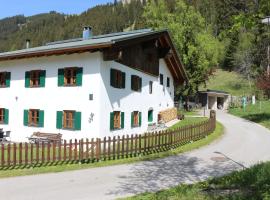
(53, 26)
(231, 82)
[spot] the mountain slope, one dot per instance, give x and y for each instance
(54, 26)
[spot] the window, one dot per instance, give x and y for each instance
(168, 82)
(68, 119)
(34, 117)
(4, 79)
(150, 87)
(4, 114)
(117, 119)
(118, 78)
(136, 119)
(71, 76)
(136, 83)
(161, 79)
(35, 78)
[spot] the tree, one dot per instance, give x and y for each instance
(199, 50)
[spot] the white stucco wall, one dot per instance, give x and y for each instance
(96, 81)
(127, 101)
(52, 98)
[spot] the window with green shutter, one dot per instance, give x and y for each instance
(79, 76)
(135, 119)
(27, 80)
(25, 117)
(122, 120)
(60, 77)
(41, 118)
(132, 119)
(42, 78)
(112, 121)
(150, 115)
(8, 76)
(4, 79)
(136, 83)
(78, 116)
(118, 79)
(140, 119)
(59, 119)
(6, 116)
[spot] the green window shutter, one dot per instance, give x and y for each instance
(132, 82)
(113, 73)
(140, 119)
(41, 118)
(8, 75)
(6, 116)
(150, 116)
(79, 76)
(111, 120)
(27, 79)
(122, 120)
(59, 119)
(132, 119)
(60, 77)
(140, 84)
(25, 117)
(78, 119)
(123, 80)
(42, 78)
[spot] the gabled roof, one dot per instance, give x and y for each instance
(100, 42)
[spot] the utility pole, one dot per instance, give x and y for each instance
(267, 22)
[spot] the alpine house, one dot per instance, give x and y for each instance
(90, 87)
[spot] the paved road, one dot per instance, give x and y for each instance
(244, 144)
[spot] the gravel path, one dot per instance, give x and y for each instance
(243, 144)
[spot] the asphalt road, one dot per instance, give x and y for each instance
(243, 144)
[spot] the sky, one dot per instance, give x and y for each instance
(10, 8)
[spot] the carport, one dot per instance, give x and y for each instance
(214, 99)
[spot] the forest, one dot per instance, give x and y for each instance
(208, 34)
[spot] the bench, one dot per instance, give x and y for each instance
(38, 137)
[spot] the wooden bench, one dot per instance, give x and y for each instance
(38, 137)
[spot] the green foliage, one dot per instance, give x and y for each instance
(48, 27)
(199, 50)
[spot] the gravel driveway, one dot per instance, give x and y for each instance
(244, 144)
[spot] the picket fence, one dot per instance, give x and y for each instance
(108, 148)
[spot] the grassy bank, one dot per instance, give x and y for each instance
(252, 184)
(259, 113)
(230, 82)
(66, 167)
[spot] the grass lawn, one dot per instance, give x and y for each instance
(230, 82)
(255, 113)
(252, 184)
(49, 168)
(188, 121)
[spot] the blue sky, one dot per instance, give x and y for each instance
(31, 7)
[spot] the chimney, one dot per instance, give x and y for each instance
(87, 33)
(27, 44)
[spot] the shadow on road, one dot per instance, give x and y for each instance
(164, 173)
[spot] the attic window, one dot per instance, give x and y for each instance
(118, 78)
(136, 83)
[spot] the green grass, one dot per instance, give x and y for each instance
(259, 113)
(188, 121)
(230, 82)
(252, 184)
(67, 167)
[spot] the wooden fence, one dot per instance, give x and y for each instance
(116, 147)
